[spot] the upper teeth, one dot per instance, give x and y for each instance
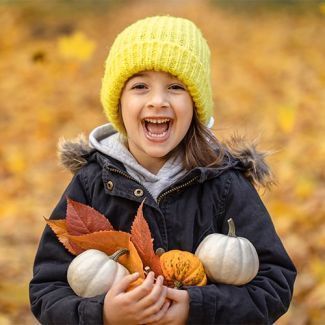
(159, 121)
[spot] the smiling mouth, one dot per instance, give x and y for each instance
(157, 128)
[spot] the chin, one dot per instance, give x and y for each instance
(158, 154)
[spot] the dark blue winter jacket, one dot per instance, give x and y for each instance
(197, 205)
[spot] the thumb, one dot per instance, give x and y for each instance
(125, 282)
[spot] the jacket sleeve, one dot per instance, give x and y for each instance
(268, 295)
(52, 300)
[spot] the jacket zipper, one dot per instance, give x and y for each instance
(161, 196)
(115, 170)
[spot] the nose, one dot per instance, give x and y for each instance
(158, 98)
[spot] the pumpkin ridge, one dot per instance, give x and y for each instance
(187, 267)
(182, 268)
(167, 266)
(203, 281)
(169, 269)
(242, 257)
(227, 259)
(225, 246)
(194, 272)
(253, 255)
(98, 274)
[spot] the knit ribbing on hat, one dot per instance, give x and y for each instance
(162, 43)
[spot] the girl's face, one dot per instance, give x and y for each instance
(157, 111)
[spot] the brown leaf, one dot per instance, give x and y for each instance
(83, 219)
(109, 242)
(141, 238)
(59, 227)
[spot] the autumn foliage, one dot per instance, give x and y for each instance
(268, 74)
(85, 228)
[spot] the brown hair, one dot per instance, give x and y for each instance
(200, 147)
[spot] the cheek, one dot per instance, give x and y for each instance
(186, 104)
(126, 111)
(125, 118)
(130, 120)
(186, 111)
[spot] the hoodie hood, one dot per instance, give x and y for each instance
(73, 155)
(105, 139)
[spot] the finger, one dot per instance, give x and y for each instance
(173, 294)
(158, 318)
(122, 285)
(143, 289)
(158, 292)
(155, 308)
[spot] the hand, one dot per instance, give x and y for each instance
(177, 313)
(144, 304)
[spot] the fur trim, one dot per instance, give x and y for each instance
(253, 161)
(71, 154)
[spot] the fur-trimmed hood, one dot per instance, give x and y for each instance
(73, 155)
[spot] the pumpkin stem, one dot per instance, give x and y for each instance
(118, 253)
(178, 284)
(232, 229)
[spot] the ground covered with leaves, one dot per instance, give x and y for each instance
(268, 76)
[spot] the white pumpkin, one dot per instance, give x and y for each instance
(227, 258)
(93, 272)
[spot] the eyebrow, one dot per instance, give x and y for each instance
(137, 75)
(143, 74)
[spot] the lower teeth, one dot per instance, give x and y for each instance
(157, 135)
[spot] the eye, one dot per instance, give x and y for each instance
(139, 86)
(177, 87)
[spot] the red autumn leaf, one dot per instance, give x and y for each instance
(109, 242)
(141, 238)
(83, 219)
(59, 227)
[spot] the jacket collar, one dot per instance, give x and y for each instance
(239, 154)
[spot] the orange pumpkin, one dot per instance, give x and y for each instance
(135, 284)
(181, 268)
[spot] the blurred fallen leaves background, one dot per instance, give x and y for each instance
(268, 76)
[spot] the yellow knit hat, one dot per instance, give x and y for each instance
(161, 43)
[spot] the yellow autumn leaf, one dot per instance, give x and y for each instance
(76, 46)
(15, 162)
(286, 117)
(317, 266)
(13, 293)
(5, 320)
(322, 8)
(316, 298)
(305, 187)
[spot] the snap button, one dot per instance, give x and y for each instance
(160, 251)
(138, 192)
(109, 185)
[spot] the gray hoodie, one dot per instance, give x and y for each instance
(106, 140)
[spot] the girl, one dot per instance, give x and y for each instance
(156, 94)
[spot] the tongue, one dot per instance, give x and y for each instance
(156, 128)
